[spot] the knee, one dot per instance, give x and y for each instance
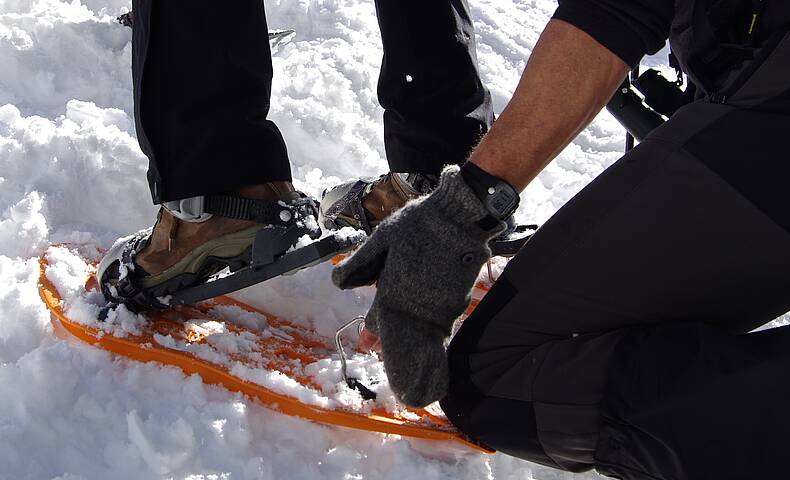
(490, 399)
(505, 425)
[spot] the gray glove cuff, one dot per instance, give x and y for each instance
(459, 204)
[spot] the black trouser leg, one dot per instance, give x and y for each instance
(202, 81)
(436, 107)
(690, 228)
(692, 402)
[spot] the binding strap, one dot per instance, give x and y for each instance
(353, 201)
(259, 211)
(126, 290)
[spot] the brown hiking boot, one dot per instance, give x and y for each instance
(363, 204)
(176, 246)
(175, 254)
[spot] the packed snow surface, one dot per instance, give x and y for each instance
(71, 171)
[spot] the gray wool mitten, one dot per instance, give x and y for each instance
(426, 258)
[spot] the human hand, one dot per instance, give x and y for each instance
(426, 258)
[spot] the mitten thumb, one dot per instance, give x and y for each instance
(363, 267)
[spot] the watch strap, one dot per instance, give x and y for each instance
(489, 189)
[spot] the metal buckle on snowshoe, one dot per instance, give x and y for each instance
(190, 209)
(353, 383)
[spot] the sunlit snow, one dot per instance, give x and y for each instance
(71, 171)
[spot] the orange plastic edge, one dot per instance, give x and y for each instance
(216, 376)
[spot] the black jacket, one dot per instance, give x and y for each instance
(714, 40)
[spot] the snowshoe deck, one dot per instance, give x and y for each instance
(281, 364)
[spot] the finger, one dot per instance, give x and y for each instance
(363, 267)
(369, 335)
(368, 342)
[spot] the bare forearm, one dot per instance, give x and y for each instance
(568, 79)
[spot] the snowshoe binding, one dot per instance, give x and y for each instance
(363, 204)
(208, 246)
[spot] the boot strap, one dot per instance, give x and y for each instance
(197, 209)
(353, 201)
(260, 211)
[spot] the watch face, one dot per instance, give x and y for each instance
(503, 202)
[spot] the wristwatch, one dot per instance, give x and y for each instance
(498, 196)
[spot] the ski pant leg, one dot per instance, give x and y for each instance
(693, 402)
(435, 106)
(691, 227)
(202, 83)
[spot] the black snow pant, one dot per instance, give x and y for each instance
(202, 81)
(617, 338)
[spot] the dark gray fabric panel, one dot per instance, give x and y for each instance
(657, 239)
(692, 402)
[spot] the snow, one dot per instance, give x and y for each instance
(71, 171)
(230, 349)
